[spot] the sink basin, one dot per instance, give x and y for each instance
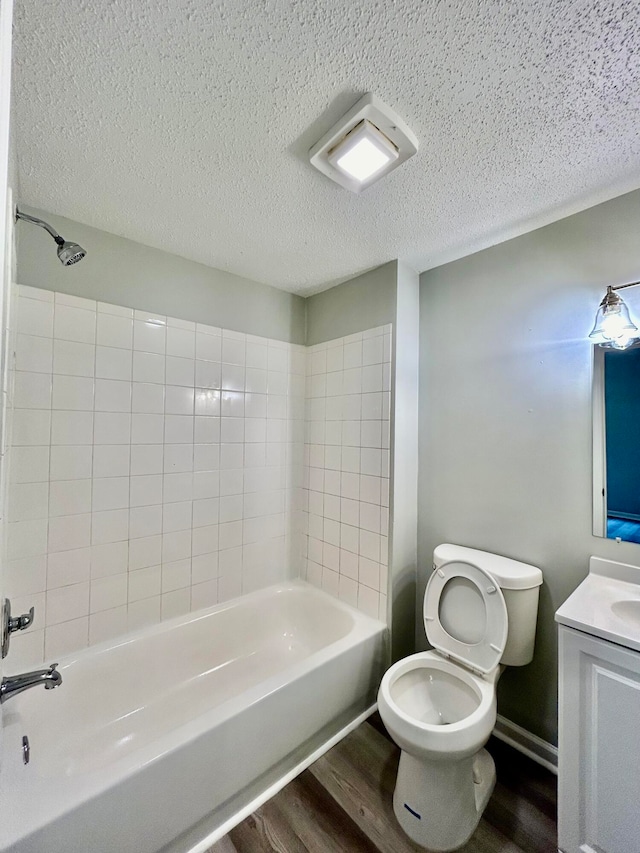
(629, 611)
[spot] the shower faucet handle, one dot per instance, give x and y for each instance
(19, 623)
(11, 624)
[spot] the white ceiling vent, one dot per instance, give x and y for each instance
(366, 144)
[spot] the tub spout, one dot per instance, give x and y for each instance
(15, 684)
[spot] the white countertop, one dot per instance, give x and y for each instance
(592, 606)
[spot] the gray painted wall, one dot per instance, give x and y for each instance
(505, 416)
(364, 302)
(126, 273)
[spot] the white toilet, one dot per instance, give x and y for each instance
(480, 614)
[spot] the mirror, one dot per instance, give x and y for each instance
(616, 443)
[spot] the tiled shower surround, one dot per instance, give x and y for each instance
(346, 475)
(159, 466)
(153, 468)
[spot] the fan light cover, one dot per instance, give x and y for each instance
(366, 144)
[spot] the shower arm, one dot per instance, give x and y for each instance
(34, 219)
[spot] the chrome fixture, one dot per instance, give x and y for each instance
(15, 684)
(9, 625)
(26, 750)
(613, 327)
(69, 253)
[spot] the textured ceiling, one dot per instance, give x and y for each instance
(186, 125)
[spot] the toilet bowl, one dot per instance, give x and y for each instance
(436, 709)
(440, 706)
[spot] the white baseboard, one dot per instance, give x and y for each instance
(529, 744)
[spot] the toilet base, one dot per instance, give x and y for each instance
(439, 803)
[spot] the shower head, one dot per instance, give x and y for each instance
(69, 253)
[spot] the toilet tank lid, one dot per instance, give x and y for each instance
(509, 574)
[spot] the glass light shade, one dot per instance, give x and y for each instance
(363, 152)
(613, 322)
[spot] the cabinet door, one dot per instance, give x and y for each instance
(599, 739)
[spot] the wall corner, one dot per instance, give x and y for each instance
(404, 473)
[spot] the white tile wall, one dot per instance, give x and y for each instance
(153, 468)
(346, 468)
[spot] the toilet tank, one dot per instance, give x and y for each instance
(520, 585)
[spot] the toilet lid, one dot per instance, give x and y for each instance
(465, 615)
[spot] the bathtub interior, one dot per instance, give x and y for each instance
(125, 696)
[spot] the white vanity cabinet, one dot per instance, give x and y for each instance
(599, 745)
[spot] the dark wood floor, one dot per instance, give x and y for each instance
(342, 804)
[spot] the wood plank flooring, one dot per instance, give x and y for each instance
(343, 804)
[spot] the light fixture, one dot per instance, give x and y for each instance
(614, 327)
(367, 143)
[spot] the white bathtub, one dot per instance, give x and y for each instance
(157, 742)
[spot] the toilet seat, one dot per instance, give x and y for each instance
(481, 656)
